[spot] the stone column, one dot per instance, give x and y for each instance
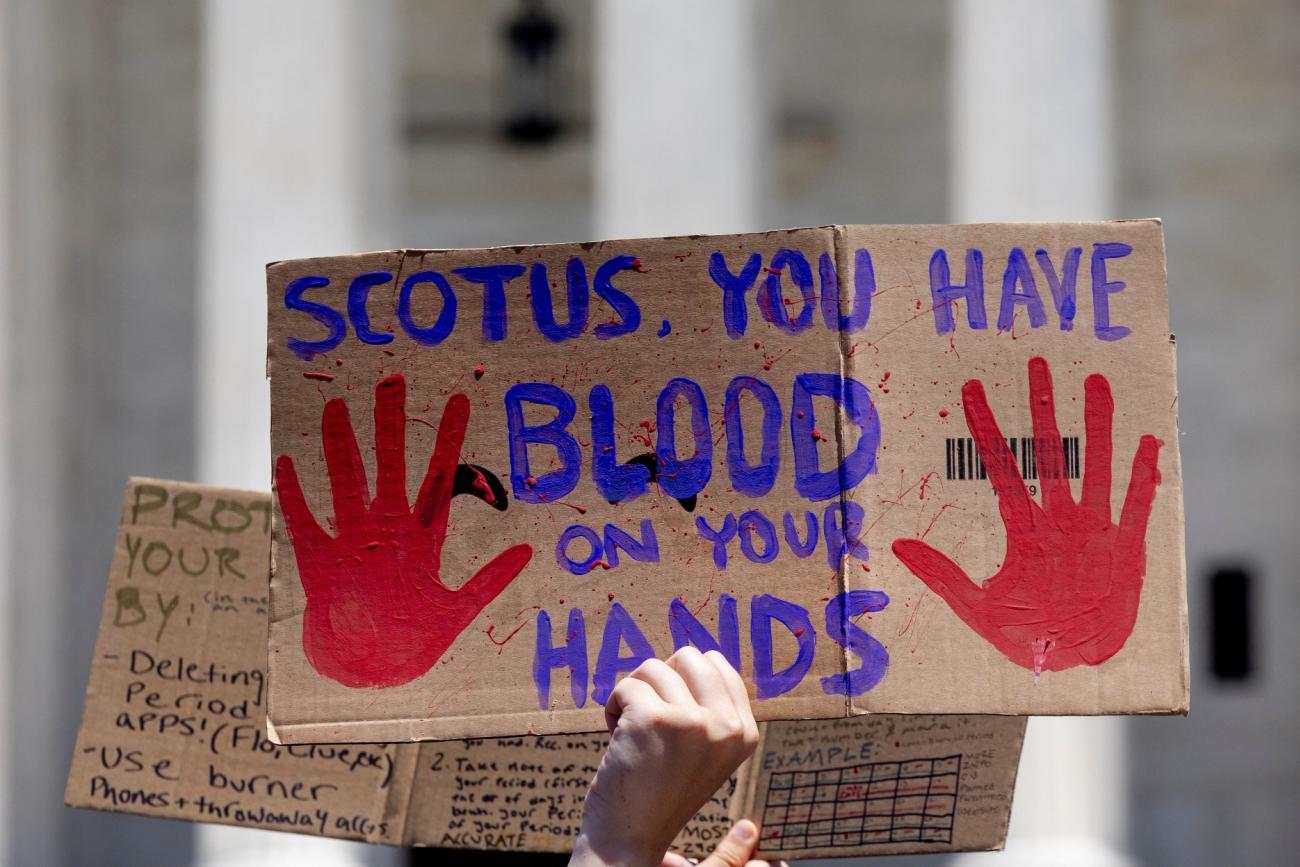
(681, 117)
(1032, 139)
(33, 581)
(298, 132)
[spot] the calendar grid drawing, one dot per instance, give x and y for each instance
(912, 801)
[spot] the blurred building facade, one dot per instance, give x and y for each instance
(121, 260)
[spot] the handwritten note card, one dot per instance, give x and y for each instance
(175, 717)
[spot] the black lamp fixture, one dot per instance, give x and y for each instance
(532, 36)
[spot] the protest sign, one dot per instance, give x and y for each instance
(174, 722)
(917, 469)
(174, 726)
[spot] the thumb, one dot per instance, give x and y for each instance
(493, 578)
(941, 574)
(735, 848)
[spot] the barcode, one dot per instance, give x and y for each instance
(964, 462)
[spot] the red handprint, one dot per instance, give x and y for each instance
(378, 612)
(1067, 593)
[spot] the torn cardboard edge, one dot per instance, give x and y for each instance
(835, 227)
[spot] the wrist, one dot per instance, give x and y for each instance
(595, 851)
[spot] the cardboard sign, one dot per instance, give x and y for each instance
(921, 469)
(174, 726)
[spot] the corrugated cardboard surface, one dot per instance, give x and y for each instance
(483, 683)
(174, 727)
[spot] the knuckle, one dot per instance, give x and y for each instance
(649, 665)
(728, 731)
(722, 661)
(689, 652)
(731, 728)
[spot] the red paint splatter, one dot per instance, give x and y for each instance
(611, 597)
(510, 635)
(911, 619)
(648, 427)
(937, 515)
(480, 484)
(1068, 590)
(874, 344)
(943, 412)
(700, 608)
(816, 434)
(771, 359)
(479, 371)
(381, 615)
(318, 376)
(638, 267)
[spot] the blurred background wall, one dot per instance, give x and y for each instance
(154, 154)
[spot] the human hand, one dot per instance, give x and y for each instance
(378, 612)
(678, 730)
(1067, 593)
(733, 851)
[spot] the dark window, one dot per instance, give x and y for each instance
(1232, 654)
